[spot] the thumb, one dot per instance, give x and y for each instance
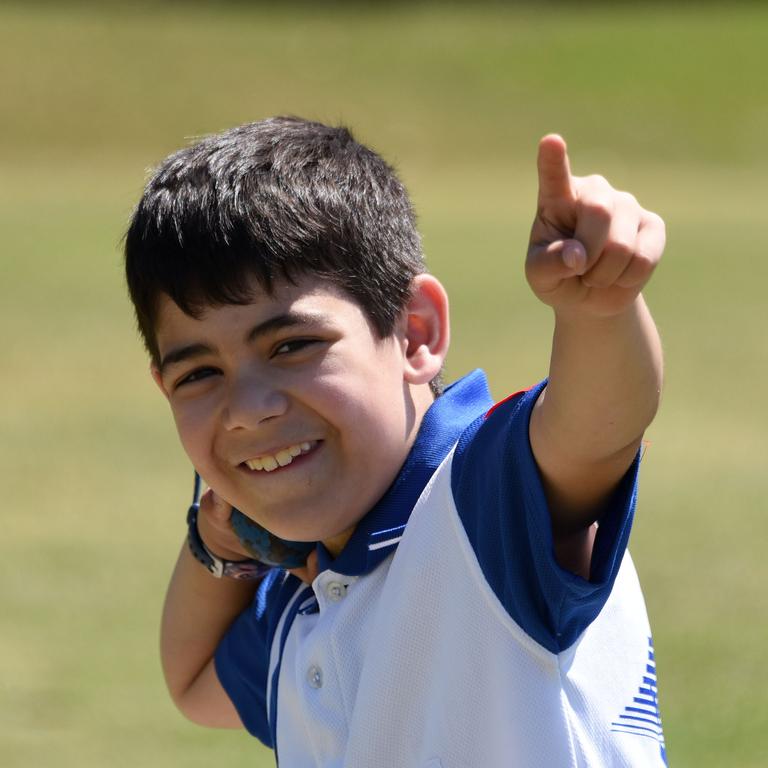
(548, 265)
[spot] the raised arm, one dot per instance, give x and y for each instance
(198, 611)
(592, 250)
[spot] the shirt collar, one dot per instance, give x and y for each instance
(378, 533)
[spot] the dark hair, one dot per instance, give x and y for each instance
(272, 200)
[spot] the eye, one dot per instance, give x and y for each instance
(292, 345)
(197, 375)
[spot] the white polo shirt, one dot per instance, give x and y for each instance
(445, 635)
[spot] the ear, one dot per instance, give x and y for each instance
(427, 331)
(158, 379)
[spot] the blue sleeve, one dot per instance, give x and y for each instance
(242, 657)
(501, 503)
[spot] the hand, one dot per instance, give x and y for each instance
(215, 529)
(218, 536)
(592, 247)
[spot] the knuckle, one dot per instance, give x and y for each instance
(599, 278)
(638, 272)
(207, 501)
(655, 218)
(213, 515)
(597, 209)
(620, 250)
(643, 264)
(628, 199)
(656, 221)
(597, 181)
(594, 281)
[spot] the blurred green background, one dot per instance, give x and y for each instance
(668, 101)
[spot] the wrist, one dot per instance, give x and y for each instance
(590, 318)
(216, 565)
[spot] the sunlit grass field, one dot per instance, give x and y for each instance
(668, 102)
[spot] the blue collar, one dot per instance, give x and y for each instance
(379, 532)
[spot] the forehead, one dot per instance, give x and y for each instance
(307, 300)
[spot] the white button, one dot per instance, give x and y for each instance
(315, 676)
(335, 591)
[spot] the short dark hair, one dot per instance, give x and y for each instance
(272, 200)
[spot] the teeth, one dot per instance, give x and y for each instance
(284, 458)
(269, 463)
(281, 459)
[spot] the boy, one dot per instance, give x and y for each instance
(469, 601)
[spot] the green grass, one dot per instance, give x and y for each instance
(667, 102)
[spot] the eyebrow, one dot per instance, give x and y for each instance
(276, 323)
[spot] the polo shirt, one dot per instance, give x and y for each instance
(445, 634)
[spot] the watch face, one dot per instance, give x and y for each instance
(245, 570)
(240, 569)
(266, 547)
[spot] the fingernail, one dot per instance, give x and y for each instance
(573, 255)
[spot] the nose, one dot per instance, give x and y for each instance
(252, 400)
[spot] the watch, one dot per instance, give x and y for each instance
(267, 550)
(216, 566)
(234, 569)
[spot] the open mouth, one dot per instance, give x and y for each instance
(270, 462)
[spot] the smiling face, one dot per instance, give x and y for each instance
(291, 408)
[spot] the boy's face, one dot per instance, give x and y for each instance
(298, 379)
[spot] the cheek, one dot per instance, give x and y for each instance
(194, 432)
(364, 392)
(371, 417)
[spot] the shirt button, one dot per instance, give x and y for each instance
(335, 591)
(315, 676)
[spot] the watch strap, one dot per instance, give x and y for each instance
(217, 566)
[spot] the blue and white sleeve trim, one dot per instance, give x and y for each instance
(500, 499)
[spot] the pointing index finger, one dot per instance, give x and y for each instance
(555, 181)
